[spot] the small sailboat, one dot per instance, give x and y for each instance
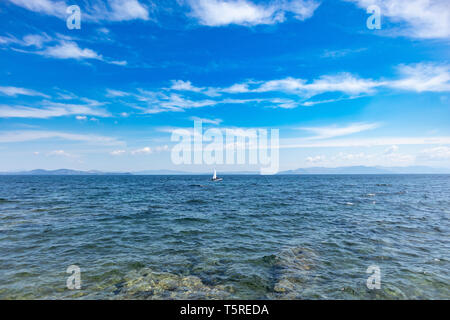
(214, 178)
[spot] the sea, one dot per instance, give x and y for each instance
(246, 237)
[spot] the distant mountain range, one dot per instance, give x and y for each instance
(62, 172)
(312, 170)
(368, 170)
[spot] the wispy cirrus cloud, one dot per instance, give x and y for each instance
(335, 131)
(286, 93)
(51, 110)
(420, 77)
(31, 135)
(206, 120)
(149, 150)
(36, 40)
(344, 82)
(57, 47)
(55, 8)
(15, 91)
(145, 150)
(423, 77)
(60, 153)
(93, 11)
(247, 13)
(293, 143)
(116, 93)
(119, 10)
(117, 152)
(334, 54)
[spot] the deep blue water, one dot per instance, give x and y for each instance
(250, 237)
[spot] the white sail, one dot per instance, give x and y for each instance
(214, 176)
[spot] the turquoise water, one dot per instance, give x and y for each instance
(247, 237)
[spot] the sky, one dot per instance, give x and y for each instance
(108, 96)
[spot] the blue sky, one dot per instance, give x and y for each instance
(108, 95)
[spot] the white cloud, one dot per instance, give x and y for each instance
(145, 150)
(334, 131)
(30, 40)
(343, 82)
(118, 63)
(123, 10)
(182, 95)
(352, 156)
(70, 50)
(142, 151)
(334, 54)
(14, 91)
(284, 103)
(59, 47)
(420, 77)
(8, 40)
(97, 10)
(425, 19)
(36, 40)
(59, 153)
(180, 85)
(31, 135)
(173, 102)
(81, 117)
(423, 77)
(117, 152)
(205, 120)
(436, 153)
(391, 150)
(363, 158)
(49, 7)
(247, 13)
(50, 110)
(237, 88)
(116, 93)
(293, 143)
(315, 159)
(162, 148)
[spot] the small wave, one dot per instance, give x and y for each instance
(196, 201)
(274, 204)
(156, 206)
(190, 219)
(190, 232)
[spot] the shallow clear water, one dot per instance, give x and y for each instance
(247, 237)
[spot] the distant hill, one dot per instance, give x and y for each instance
(61, 172)
(368, 170)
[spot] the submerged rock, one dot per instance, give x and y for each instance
(293, 269)
(148, 284)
